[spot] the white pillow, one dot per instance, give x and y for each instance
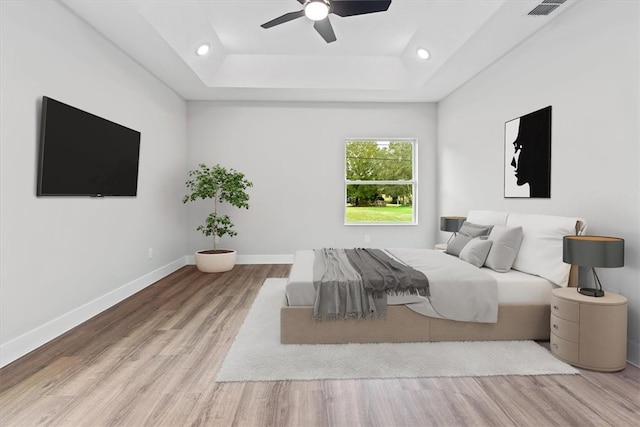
(487, 217)
(506, 243)
(541, 249)
(475, 252)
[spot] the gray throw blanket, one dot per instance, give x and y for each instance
(355, 282)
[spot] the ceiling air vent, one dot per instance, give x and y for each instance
(546, 7)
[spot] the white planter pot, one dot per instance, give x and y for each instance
(216, 262)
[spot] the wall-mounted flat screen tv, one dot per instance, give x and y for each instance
(85, 155)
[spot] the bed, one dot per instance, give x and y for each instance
(524, 277)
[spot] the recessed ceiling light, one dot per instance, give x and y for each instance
(423, 53)
(316, 10)
(203, 49)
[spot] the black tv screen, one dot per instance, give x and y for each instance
(85, 155)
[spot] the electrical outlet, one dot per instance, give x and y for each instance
(150, 253)
(367, 239)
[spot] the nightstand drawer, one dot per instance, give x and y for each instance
(567, 310)
(564, 349)
(565, 329)
(600, 325)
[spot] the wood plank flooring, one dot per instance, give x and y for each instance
(152, 359)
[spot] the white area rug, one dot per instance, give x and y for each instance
(257, 355)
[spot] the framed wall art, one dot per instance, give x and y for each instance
(527, 155)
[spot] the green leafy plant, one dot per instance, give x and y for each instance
(221, 185)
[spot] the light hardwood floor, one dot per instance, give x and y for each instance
(152, 359)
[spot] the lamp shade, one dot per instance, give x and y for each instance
(593, 251)
(451, 223)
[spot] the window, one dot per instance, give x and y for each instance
(380, 181)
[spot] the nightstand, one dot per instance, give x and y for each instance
(589, 332)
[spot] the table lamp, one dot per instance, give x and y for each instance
(452, 224)
(593, 251)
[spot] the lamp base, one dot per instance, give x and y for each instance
(591, 292)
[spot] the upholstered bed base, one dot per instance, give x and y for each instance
(515, 322)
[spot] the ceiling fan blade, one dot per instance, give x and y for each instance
(325, 29)
(358, 7)
(282, 19)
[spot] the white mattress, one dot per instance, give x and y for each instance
(514, 287)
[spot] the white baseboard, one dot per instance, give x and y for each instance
(33, 339)
(254, 259)
(264, 259)
(633, 352)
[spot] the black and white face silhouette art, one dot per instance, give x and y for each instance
(527, 148)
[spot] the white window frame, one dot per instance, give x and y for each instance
(413, 182)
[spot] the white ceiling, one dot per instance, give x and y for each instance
(374, 58)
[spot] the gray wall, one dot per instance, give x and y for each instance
(294, 154)
(586, 65)
(65, 259)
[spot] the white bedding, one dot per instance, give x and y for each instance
(513, 287)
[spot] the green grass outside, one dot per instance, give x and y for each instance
(389, 213)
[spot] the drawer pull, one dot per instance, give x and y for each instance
(555, 307)
(555, 326)
(555, 345)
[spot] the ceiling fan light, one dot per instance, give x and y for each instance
(316, 10)
(203, 49)
(423, 53)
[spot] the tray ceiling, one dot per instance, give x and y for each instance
(373, 59)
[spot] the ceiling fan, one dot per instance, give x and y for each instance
(318, 11)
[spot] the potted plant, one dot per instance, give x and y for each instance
(221, 185)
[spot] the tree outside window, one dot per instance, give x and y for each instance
(380, 181)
